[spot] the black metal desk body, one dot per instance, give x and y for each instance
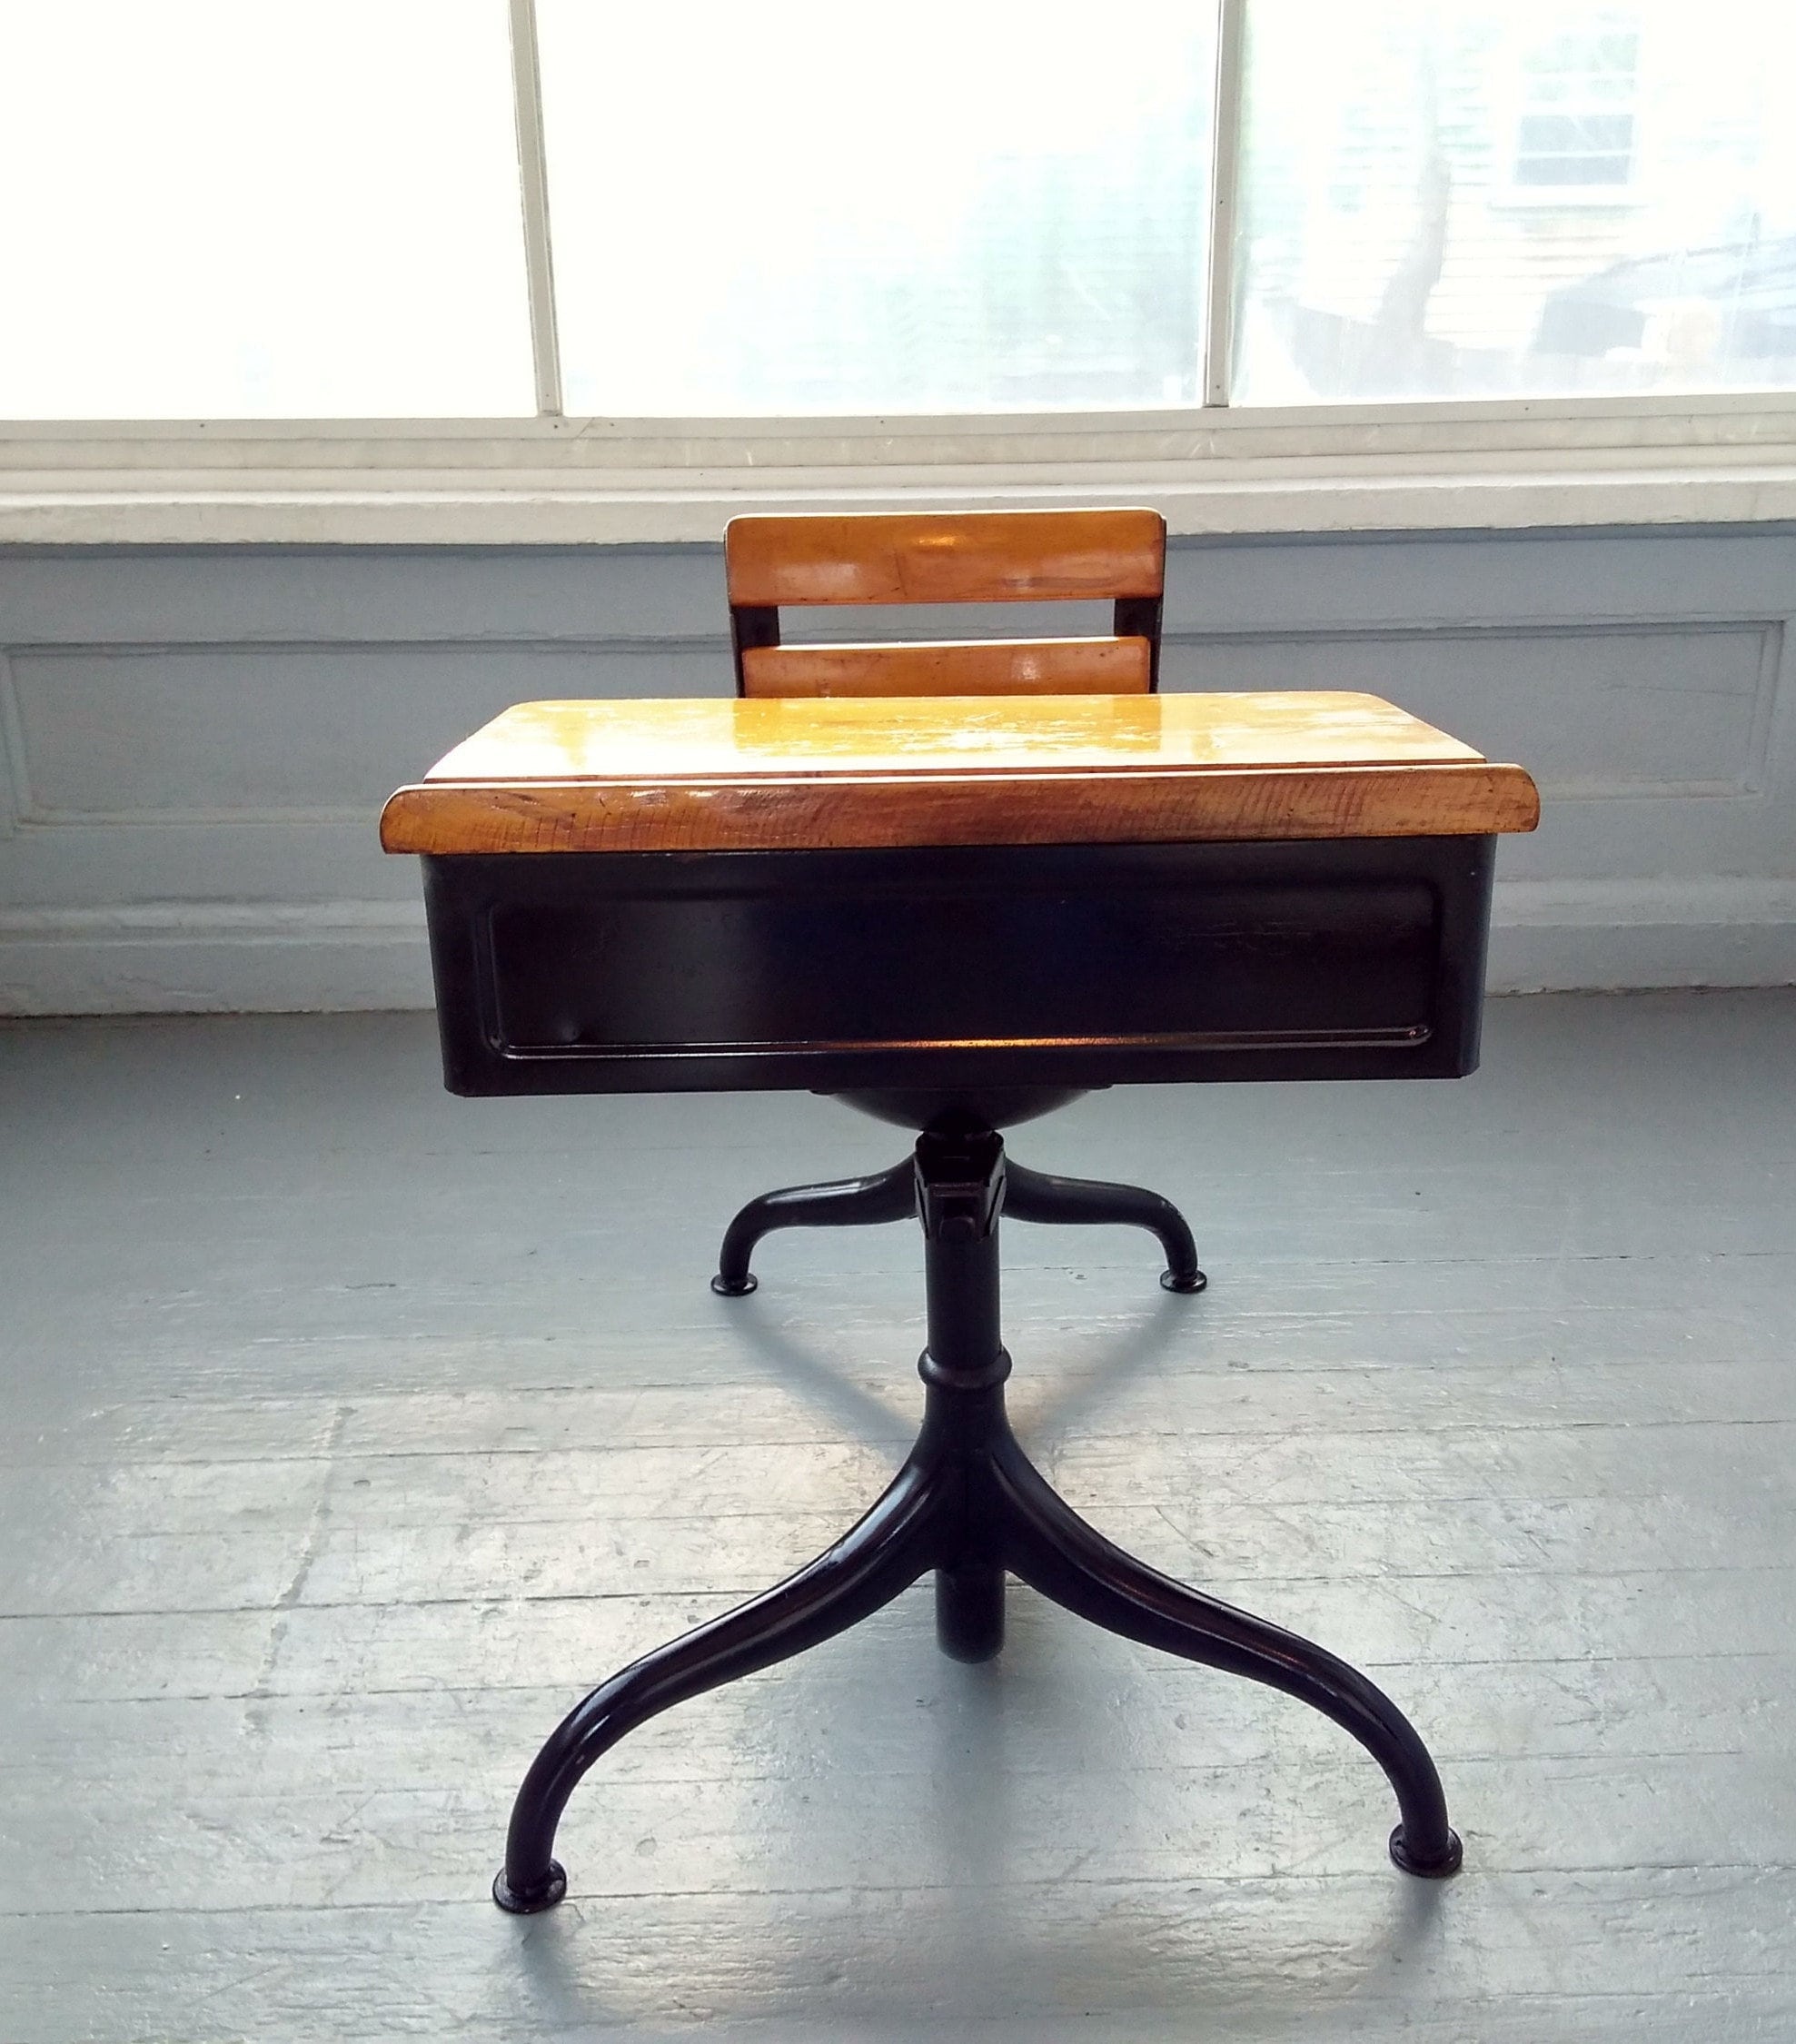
(960, 969)
(957, 989)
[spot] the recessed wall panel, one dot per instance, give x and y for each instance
(1611, 711)
(111, 731)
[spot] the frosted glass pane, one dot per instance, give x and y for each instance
(298, 208)
(1459, 201)
(793, 207)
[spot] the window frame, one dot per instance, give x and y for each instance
(1400, 465)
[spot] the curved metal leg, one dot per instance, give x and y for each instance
(848, 1203)
(1053, 1549)
(894, 1543)
(1038, 1195)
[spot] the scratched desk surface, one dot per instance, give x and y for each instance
(353, 1429)
(961, 769)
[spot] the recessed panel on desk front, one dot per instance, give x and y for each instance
(1025, 965)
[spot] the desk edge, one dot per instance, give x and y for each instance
(851, 812)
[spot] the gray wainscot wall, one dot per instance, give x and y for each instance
(194, 743)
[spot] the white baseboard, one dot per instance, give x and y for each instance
(1552, 936)
(209, 958)
(201, 957)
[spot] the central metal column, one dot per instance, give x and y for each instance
(959, 1198)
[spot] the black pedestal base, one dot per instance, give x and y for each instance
(971, 1506)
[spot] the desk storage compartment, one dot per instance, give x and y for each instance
(1059, 966)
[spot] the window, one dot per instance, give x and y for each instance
(514, 243)
(820, 207)
(1428, 201)
(298, 208)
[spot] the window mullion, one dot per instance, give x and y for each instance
(533, 182)
(1226, 128)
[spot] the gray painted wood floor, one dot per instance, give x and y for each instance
(353, 1431)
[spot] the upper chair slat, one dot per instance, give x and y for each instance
(992, 557)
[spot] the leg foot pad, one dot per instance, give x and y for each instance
(1172, 1281)
(528, 1902)
(734, 1288)
(1437, 1869)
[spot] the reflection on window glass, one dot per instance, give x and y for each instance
(1442, 199)
(803, 205)
(1576, 119)
(300, 208)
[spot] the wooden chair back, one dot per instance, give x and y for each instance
(966, 557)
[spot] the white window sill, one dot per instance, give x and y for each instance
(557, 482)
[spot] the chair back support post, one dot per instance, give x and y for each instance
(751, 627)
(1138, 617)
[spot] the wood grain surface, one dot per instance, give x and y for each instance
(998, 557)
(643, 776)
(1014, 666)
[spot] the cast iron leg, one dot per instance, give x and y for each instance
(1038, 1195)
(898, 1539)
(968, 1504)
(1053, 1549)
(891, 1195)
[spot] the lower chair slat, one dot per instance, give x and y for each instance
(1017, 667)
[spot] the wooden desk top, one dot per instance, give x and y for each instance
(724, 775)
